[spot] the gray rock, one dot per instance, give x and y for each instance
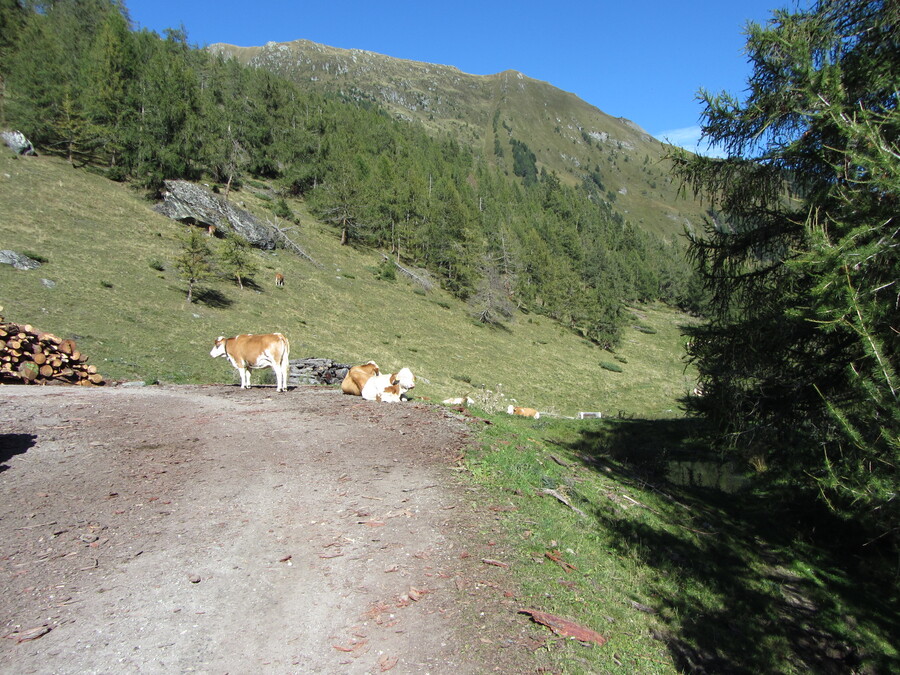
(19, 261)
(193, 203)
(18, 143)
(316, 371)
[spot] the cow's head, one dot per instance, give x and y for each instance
(218, 348)
(404, 378)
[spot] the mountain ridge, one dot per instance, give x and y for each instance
(568, 136)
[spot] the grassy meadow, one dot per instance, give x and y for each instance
(678, 578)
(104, 247)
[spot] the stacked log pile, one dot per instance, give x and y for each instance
(29, 356)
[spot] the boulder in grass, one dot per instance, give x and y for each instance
(18, 260)
(18, 143)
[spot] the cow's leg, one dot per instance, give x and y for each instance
(280, 378)
(245, 378)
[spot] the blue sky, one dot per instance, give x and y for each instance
(644, 59)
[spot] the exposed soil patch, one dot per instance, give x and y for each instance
(210, 529)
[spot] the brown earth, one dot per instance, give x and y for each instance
(170, 529)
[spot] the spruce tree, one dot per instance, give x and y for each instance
(195, 260)
(237, 260)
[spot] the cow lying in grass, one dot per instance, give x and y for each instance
(524, 412)
(357, 376)
(251, 352)
(389, 388)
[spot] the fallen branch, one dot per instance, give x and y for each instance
(556, 557)
(562, 498)
(496, 563)
(290, 244)
(564, 627)
(425, 283)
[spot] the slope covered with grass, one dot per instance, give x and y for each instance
(110, 282)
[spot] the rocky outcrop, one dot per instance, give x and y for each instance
(195, 204)
(18, 143)
(316, 371)
(18, 260)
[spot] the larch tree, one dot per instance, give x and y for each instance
(799, 359)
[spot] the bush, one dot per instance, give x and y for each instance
(36, 256)
(386, 271)
(281, 210)
(614, 367)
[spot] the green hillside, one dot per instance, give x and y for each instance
(103, 245)
(567, 135)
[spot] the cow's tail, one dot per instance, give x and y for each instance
(285, 357)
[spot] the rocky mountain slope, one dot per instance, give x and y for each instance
(567, 136)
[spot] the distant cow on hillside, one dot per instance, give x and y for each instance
(279, 279)
(524, 412)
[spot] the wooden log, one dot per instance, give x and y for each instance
(39, 358)
(46, 371)
(91, 369)
(67, 346)
(28, 371)
(49, 338)
(95, 378)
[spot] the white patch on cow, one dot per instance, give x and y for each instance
(389, 388)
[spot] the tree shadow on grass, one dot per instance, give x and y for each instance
(742, 583)
(212, 298)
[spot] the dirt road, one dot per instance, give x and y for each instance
(176, 529)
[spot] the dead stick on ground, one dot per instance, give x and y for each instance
(31, 527)
(564, 500)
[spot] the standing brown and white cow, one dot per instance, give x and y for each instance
(251, 352)
(279, 279)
